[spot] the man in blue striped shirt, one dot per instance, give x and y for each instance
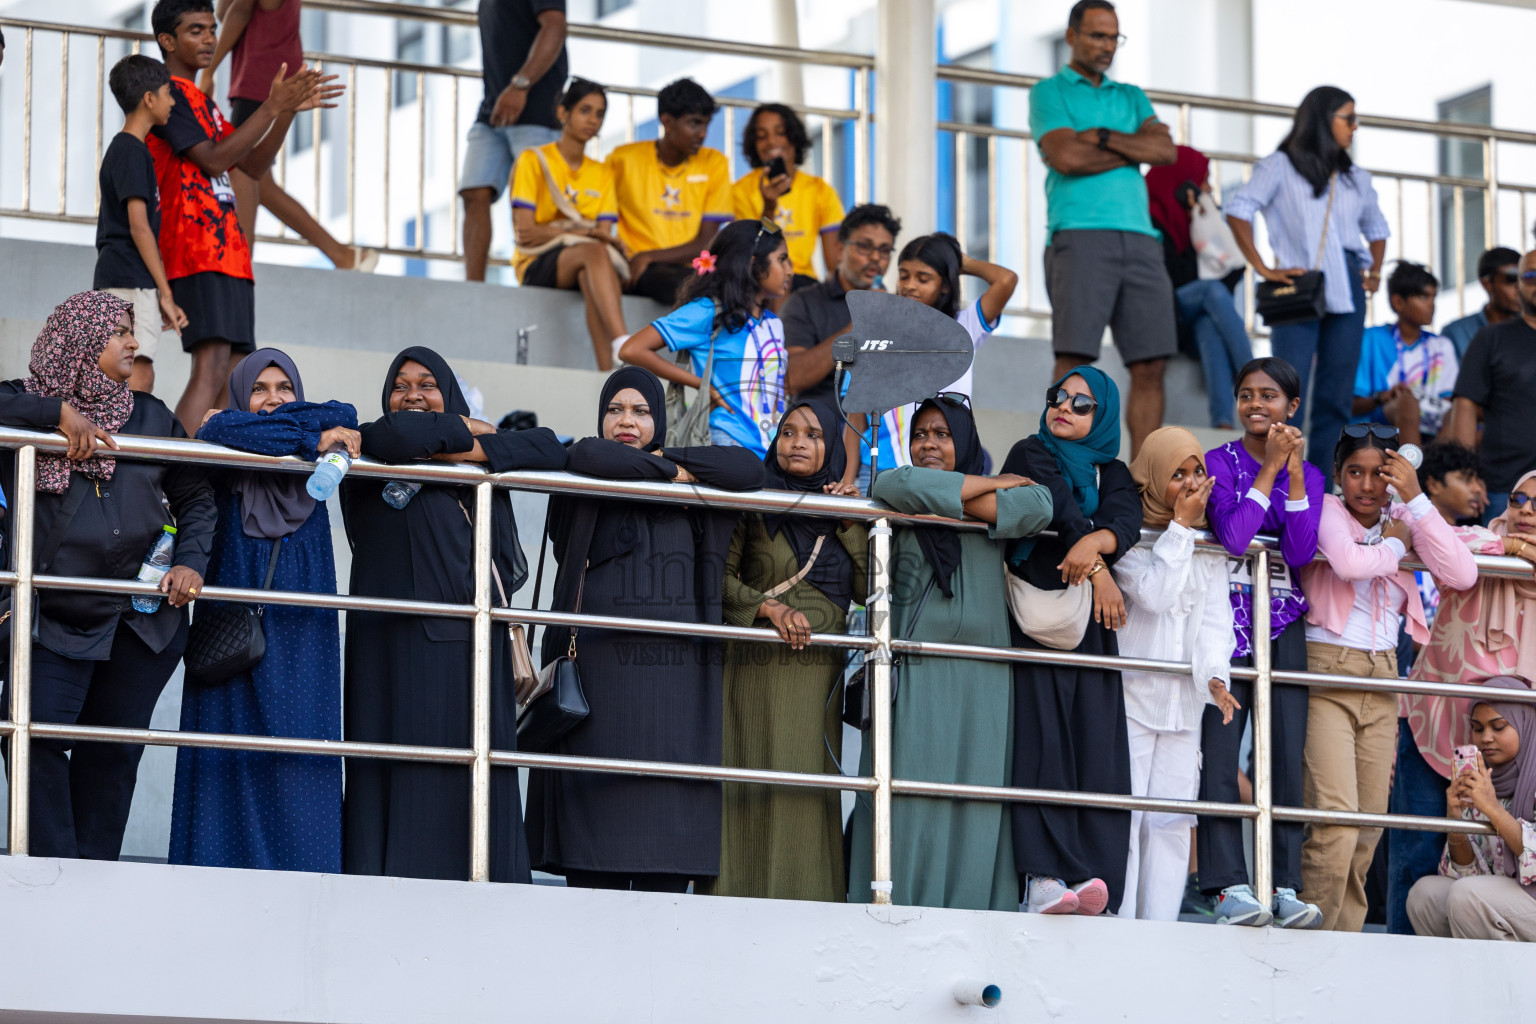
(1103, 259)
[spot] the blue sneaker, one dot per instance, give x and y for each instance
(1291, 912)
(1237, 905)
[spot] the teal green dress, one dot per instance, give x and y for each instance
(953, 719)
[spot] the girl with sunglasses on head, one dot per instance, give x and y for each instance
(929, 270)
(1176, 609)
(952, 720)
(1356, 598)
(725, 312)
(1262, 485)
(1069, 721)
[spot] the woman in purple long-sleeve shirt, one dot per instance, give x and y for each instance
(1262, 485)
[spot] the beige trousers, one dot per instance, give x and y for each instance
(1347, 766)
(1476, 907)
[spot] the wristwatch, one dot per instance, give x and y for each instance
(1103, 137)
(521, 82)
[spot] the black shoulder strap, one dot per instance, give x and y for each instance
(917, 613)
(277, 546)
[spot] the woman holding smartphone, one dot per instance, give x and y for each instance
(806, 207)
(1486, 887)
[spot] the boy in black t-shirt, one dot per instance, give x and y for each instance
(128, 226)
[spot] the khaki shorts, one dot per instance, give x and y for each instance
(146, 318)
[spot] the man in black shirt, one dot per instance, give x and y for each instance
(815, 317)
(522, 45)
(1497, 388)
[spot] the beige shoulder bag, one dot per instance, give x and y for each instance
(570, 219)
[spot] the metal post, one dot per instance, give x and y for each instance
(352, 154)
(23, 501)
(63, 121)
(480, 787)
(879, 606)
(421, 161)
(993, 246)
(1459, 210)
(1183, 138)
(730, 135)
(1263, 733)
(861, 136)
(453, 203)
(962, 200)
(26, 124)
(101, 84)
(389, 111)
(1491, 209)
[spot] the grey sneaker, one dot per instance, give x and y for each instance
(1291, 912)
(1237, 905)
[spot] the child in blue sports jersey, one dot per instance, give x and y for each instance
(725, 305)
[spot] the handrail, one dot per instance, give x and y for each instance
(481, 758)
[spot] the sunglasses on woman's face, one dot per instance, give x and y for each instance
(1078, 405)
(1520, 499)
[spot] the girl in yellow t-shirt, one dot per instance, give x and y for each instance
(804, 206)
(549, 185)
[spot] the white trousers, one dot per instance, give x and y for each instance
(1163, 764)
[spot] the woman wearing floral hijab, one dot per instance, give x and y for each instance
(95, 660)
(1069, 722)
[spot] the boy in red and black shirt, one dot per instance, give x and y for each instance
(207, 257)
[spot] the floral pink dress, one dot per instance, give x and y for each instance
(1477, 634)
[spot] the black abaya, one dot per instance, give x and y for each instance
(1069, 722)
(410, 679)
(653, 697)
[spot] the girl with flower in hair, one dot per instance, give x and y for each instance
(95, 659)
(724, 325)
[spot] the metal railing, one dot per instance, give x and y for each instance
(392, 182)
(480, 757)
(1392, 185)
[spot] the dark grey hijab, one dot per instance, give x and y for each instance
(272, 505)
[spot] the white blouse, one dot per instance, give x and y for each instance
(1177, 608)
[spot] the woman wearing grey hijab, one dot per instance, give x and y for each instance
(252, 809)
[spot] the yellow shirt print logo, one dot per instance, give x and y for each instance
(671, 196)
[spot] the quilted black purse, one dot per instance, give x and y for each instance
(558, 704)
(226, 639)
(1303, 300)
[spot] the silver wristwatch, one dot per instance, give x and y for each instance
(521, 82)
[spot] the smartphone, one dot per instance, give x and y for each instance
(1463, 758)
(776, 167)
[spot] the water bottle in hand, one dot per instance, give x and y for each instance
(154, 567)
(333, 465)
(398, 493)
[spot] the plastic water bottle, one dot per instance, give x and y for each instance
(398, 493)
(154, 567)
(333, 465)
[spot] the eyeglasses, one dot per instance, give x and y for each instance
(1381, 431)
(1104, 37)
(1078, 405)
(1507, 276)
(1528, 275)
(866, 248)
(1520, 499)
(1353, 120)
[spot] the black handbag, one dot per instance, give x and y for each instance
(558, 704)
(858, 694)
(1304, 299)
(226, 639)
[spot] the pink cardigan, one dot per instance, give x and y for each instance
(1330, 585)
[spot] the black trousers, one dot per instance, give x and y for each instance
(627, 882)
(81, 792)
(661, 281)
(1220, 840)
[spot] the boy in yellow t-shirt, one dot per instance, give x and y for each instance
(804, 206)
(673, 194)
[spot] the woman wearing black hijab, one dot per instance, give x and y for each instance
(653, 697)
(797, 575)
(953, 719)
(408, 679)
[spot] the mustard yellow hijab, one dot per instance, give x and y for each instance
(1162, 453)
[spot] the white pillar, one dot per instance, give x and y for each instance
(905, 116)
(789, 85)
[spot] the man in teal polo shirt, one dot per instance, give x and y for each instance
(1103, 258)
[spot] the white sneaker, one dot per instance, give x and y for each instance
(364, 261)
(1049, 896)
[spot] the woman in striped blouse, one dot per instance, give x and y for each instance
(1308, 182)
